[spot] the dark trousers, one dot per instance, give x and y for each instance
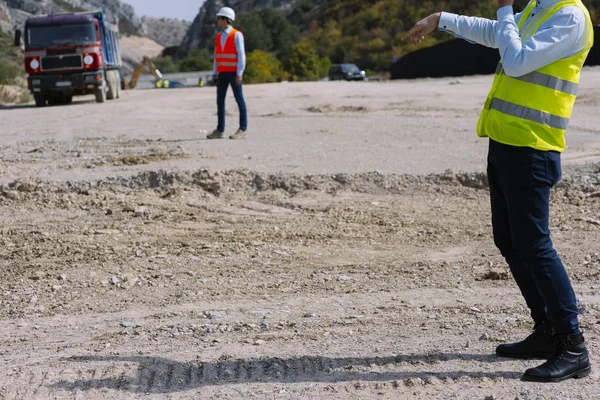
(224, 80)
(520, 182)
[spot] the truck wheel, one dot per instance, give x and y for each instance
(68, 99)
(111, 94)
(101, 94)
(40, 100)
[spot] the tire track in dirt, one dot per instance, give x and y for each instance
(387, 375)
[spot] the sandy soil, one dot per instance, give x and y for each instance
(343, 251)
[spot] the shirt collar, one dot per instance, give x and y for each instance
(228, 30)
(545, 3)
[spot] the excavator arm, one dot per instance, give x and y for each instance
(146, 63)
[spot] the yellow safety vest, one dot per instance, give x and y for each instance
(534, 110)
(166, 84)
(159, 84)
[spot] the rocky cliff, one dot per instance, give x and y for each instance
(166, 31)
(5, 18)
(202, 31)
(19, 10)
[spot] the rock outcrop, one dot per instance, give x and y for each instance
(5, 18)
(166, 31)
(20, 10)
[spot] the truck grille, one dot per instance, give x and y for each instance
(61, 62)
(60, 52)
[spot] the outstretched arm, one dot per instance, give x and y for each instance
(471, 29)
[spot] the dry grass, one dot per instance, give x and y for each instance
(10, 94)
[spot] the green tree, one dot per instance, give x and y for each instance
(166, 65)
(197, 60)
(303, 62)
(268, 30)
(256, 34)
(263, 67)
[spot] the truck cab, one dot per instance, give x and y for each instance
(68, 55)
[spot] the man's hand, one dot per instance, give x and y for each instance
(504, 3)
(213, 81)
(423, 28)
(238, 80)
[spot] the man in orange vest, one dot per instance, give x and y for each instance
(230, 62)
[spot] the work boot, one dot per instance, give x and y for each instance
(540, 344)
(240, 134)
(571, 360)
(216, 134)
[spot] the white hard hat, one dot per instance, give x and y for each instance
(227, 13)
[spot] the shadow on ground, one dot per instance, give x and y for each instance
(160, 375)
(15, 106)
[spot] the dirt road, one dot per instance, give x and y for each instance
(330, 256)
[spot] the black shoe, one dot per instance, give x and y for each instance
(540, 344)
(571, 360)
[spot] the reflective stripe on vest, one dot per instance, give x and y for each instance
(530, 114)
(549, 81)
(533, 110)
(226, 58)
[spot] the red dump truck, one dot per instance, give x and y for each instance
(69, 55)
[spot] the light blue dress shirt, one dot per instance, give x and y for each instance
(239, 47)
(562, 35)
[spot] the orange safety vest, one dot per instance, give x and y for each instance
(226, 58)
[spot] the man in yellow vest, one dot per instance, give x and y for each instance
(525, 118)
(229, 65)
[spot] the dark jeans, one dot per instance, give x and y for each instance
(520, 182)
(224, 79)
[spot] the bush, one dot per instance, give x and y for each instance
(324, 67)
(197, 60)
(166, 65)
(303, 62)
(8, 73)
(263, 67)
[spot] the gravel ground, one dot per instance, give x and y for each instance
(343, 251)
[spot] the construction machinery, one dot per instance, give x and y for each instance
(70, 55)
(161, 82)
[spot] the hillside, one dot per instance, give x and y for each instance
(20, 10)
(201, 33)
(366, 32)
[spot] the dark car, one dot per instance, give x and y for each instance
(347, 72)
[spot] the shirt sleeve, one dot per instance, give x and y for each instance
(472, 29)
(241, 53)
(555, 39)
(215, 63)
